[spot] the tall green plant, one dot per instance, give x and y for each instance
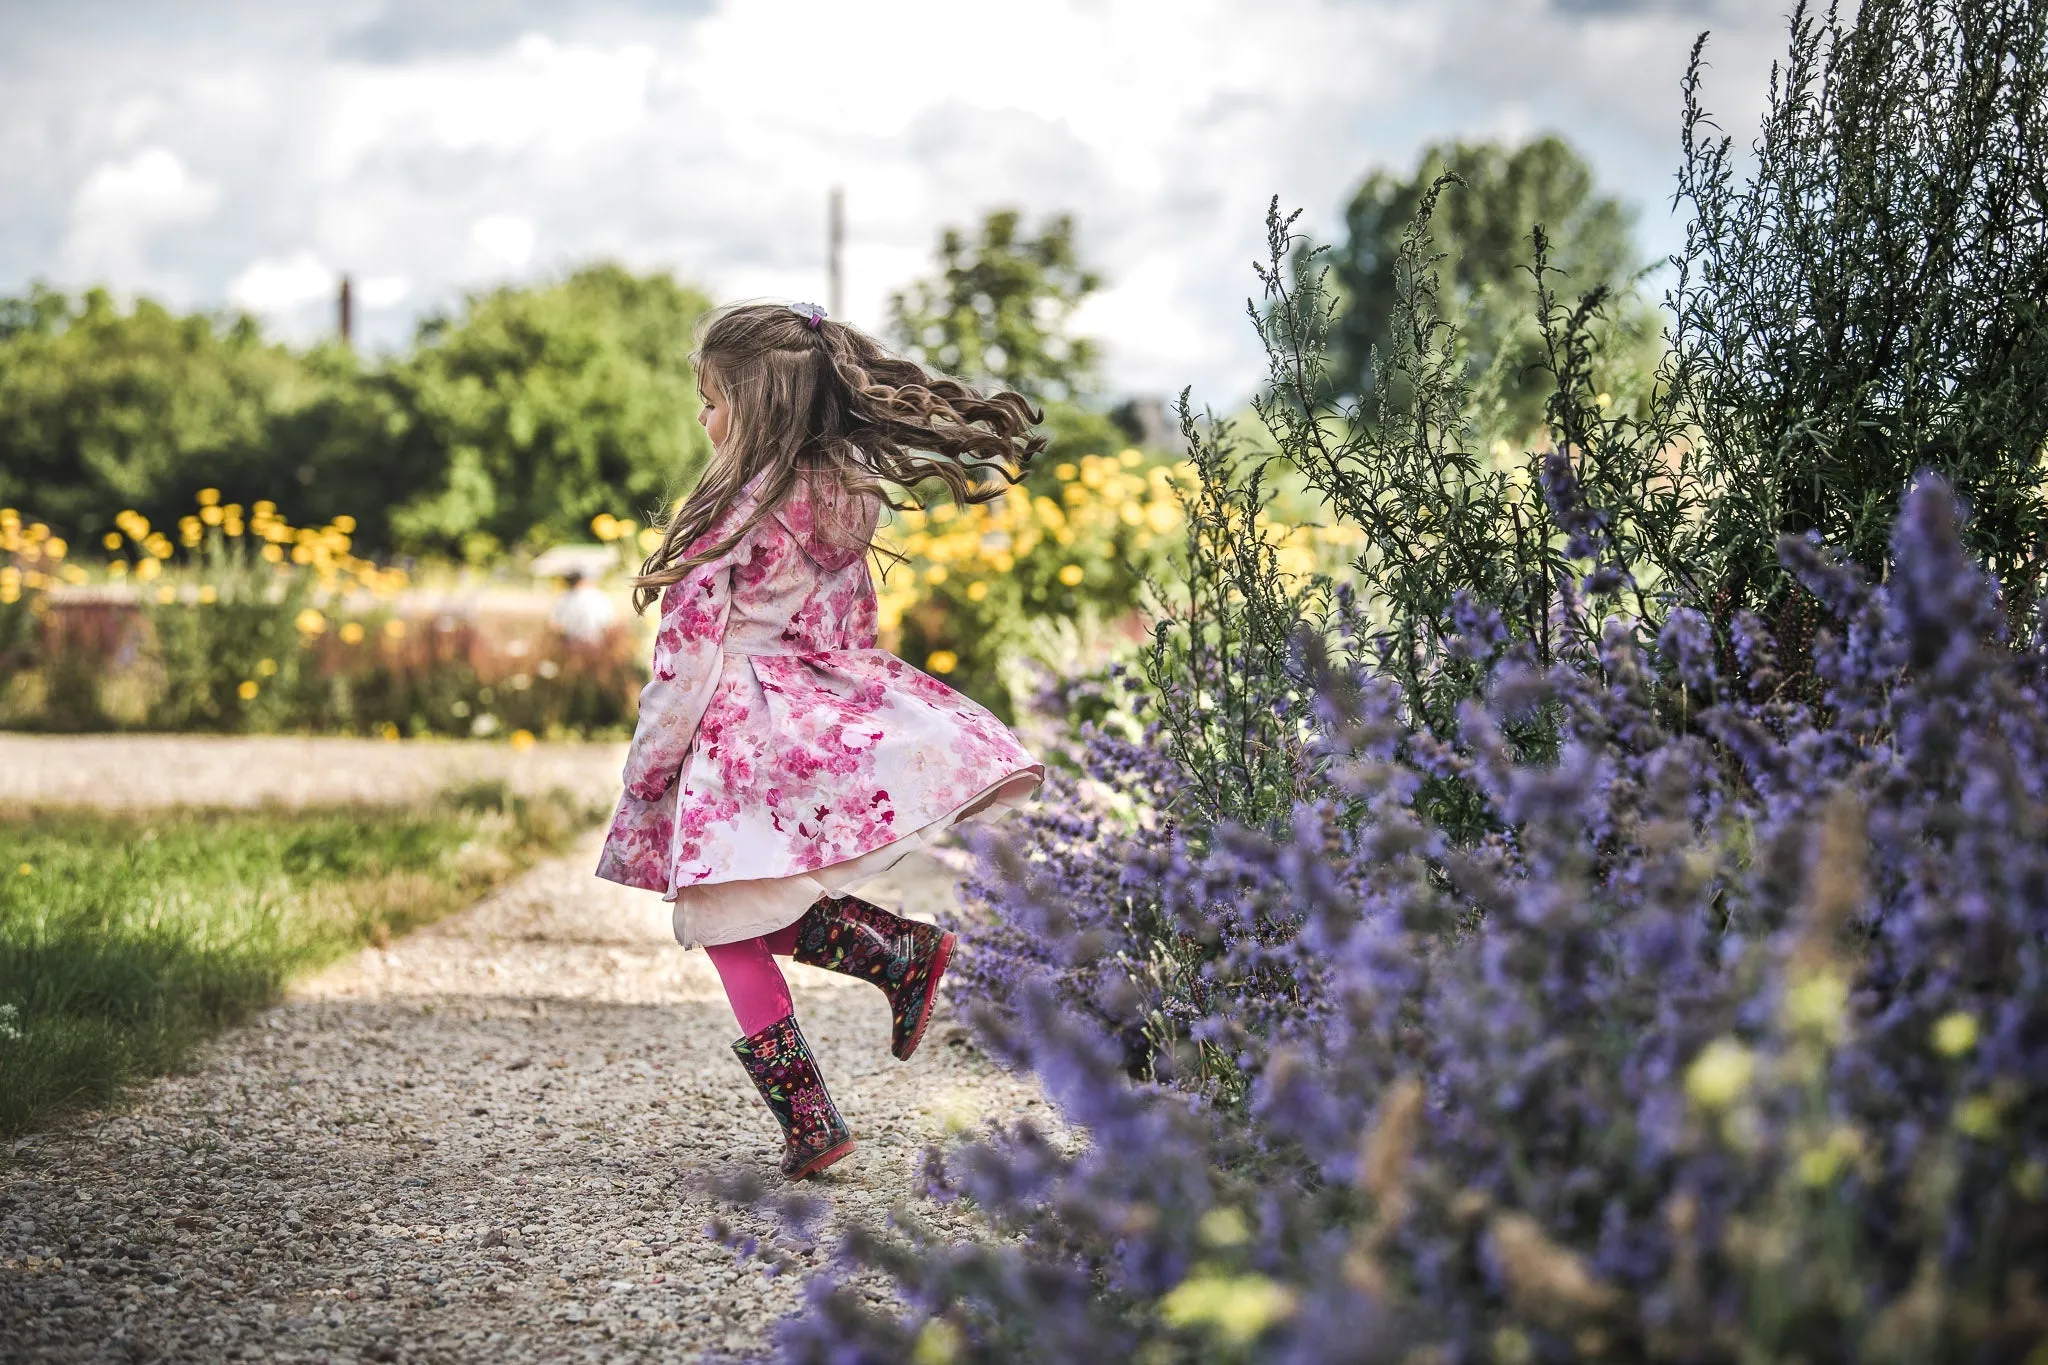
(1221, 662)
(1448, 527)
(1869, 301)
(1482, 230)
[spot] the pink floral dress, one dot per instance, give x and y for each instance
(779, 754)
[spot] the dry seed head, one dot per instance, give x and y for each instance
(1547, 1281)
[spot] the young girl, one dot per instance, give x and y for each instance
(780, 757)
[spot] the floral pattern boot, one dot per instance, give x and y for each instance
(780, 1063)
(905, 958)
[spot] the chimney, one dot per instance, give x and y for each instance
(835, 252)
(348, 313)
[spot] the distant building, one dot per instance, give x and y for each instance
(1144, 420)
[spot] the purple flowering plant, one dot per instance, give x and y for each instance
(1724, 1045)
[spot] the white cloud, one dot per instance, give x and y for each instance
(435, 149)
(278, 284)
(537, 96)
(505, 240)
(119, 204)
(384, 291)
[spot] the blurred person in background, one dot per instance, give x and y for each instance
(584, 614)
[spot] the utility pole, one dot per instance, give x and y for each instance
(835, 253)
(348, 313)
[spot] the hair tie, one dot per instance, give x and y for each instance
(811, 313)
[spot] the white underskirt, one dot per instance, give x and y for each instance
(726, 912)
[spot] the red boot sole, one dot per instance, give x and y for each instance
(822, 1160)
(931, 995)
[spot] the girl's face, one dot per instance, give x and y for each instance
(712, 415)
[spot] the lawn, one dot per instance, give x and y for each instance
(127, 939)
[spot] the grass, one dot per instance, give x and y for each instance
(127, 939)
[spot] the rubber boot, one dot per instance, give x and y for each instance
(905, 958)
(783, 1070)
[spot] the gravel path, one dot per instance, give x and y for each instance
(139, 771)
(488, 1142)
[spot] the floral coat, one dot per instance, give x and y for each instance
(774, 737)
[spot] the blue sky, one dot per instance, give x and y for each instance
(221, 153)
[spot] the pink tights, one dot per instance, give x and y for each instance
(753, 983)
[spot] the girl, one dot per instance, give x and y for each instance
(780, 757)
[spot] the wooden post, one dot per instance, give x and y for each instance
(835, 253)
(348, 313)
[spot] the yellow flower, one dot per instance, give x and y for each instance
(1719, 1075)
(1955, 1034)
(938, 1343)
(942, 661)
(522, 740)
(248, 690)
(273, 554)
(208, 594)
(266, 668)
(208, 496)
(1071, 575)
(310, 621)
(1604, 400)
(146, 570)
(56, 547)
(344, 523)
(1820, 1165)
(167, 594)
(387, 731)
(211, 515)
(112, 540)
(1977, 1117)
(936, 574)
(25, 870)
(650, 540)
(605, 526)
(117, 568)
(394, 629)
(1223, 1227)
(1064, 471)
(1817, 1005)
(1131, 459)
(977, 590)
(1237, 1308)
(352, 633)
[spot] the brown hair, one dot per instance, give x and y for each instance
(826, 403)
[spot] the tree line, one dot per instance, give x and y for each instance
(512, 421)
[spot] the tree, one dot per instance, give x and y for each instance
(996, 313)
(1482, 226)
(540, 408)
(998, 308)
(102, 410)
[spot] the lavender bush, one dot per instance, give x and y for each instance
(1726, 1045)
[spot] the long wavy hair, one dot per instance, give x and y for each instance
(826, 404)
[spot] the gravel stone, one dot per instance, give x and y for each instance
(489, 1141)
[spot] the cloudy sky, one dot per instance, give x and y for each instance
(242, 153)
